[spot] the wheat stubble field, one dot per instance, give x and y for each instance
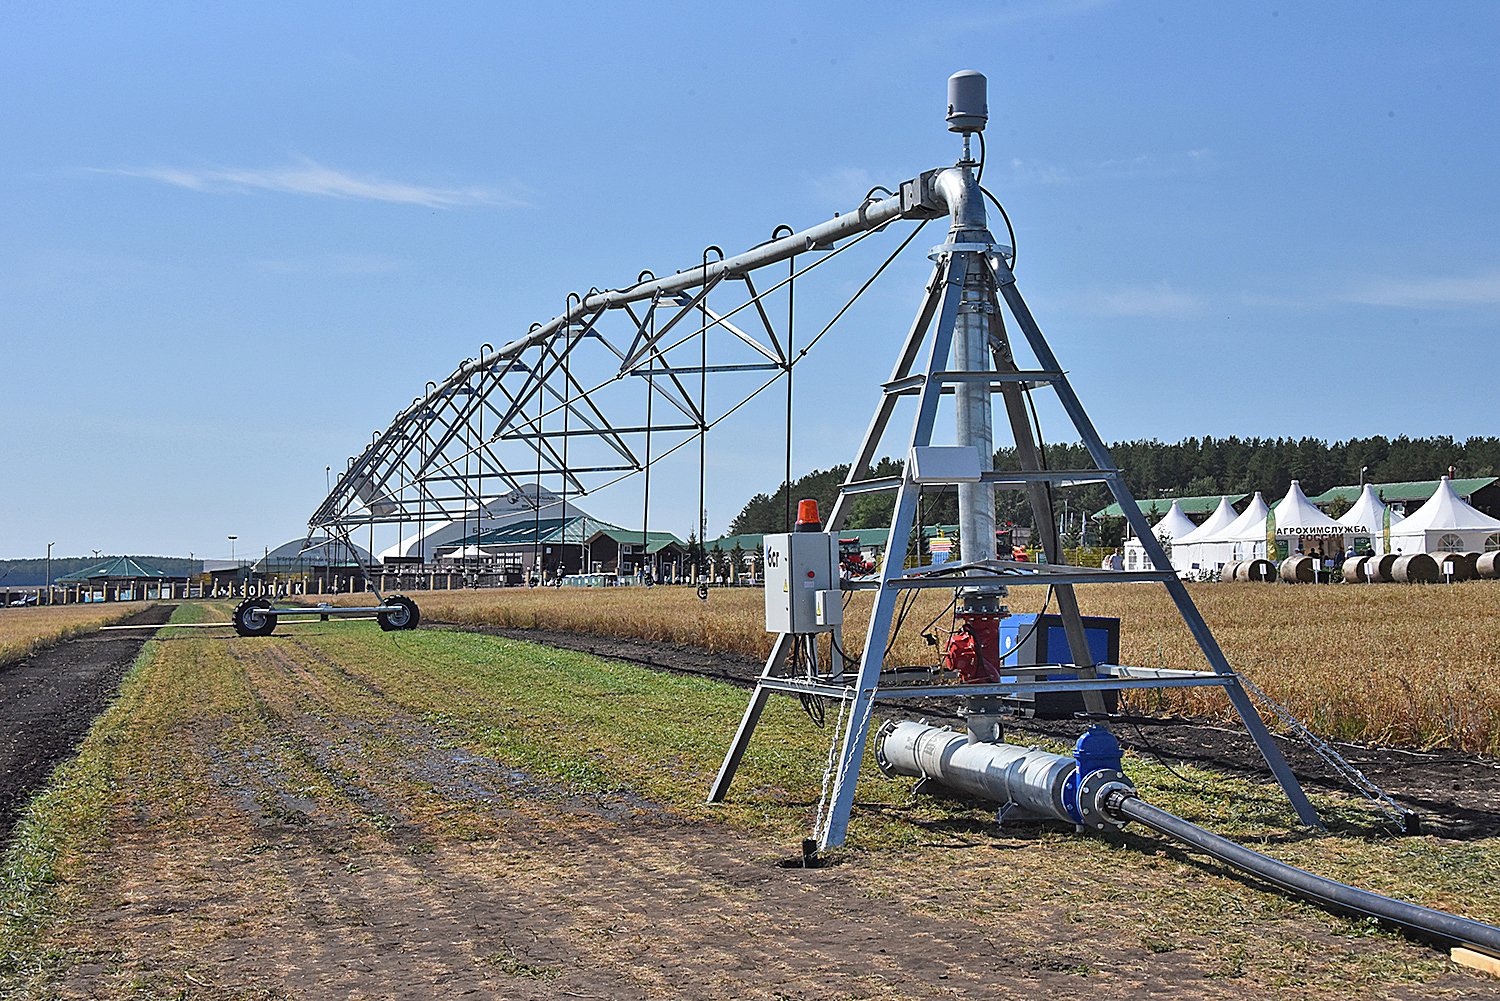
(335, 811)
(24, 630)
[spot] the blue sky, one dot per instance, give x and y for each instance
(237, 238)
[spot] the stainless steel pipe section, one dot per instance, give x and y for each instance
(1029, 777)
(959, 190)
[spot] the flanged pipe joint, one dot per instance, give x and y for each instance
(1026, 780)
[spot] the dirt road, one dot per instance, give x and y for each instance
(49, 700)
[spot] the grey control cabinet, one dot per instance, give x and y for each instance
(799, 565)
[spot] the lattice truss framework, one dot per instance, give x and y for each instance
(619, 382)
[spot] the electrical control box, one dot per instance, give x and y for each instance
(800, 566)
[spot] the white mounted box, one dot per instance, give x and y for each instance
(798, 566)
(946, 464)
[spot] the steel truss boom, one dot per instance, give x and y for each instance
(538, 419)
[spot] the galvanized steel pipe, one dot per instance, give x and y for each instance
(1029, 777)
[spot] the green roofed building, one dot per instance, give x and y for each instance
(747, 542)
(619, 551)
(1481, 491)
(1192, 506)
(573, 545)
(123, 578)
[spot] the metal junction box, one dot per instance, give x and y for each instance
(798, 567)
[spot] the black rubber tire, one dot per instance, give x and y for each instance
(407, 619)
(247, 623)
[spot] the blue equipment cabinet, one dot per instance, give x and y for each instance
(1025, 641)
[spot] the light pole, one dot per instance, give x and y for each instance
(49, 571)
(231, 547)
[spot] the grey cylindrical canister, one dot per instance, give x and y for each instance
(968, 109)
(1005, 773)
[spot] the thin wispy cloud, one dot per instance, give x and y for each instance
(843, 185)
(308, 177)
(1158, 300)
(1018, 171)
(1434, 292)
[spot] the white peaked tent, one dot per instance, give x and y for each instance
(1446, 524)
(1366, 519)
(1243, 539)
(1171, 528)
(1306, 527)
(1224, 515)
(1191, 550)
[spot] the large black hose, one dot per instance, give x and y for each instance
(1448, 928)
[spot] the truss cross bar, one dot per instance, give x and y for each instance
(695, 369)
(765, 319)
(596, 432)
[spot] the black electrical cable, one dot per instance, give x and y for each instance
(1046, 602)
(1336, 896)
(815, 709)
(1160, 759)
(939, 615)
(1008, 227)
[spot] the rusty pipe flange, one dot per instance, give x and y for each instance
(1093, 790)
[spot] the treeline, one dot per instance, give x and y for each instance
(1191, 467)
(33, 572)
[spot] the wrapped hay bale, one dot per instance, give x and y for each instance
(1458, 566)
(1418, 568)
(1298, 570)
(1256, 570)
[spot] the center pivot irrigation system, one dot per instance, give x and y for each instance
(578, 404)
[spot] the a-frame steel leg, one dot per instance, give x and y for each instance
(731, 764)
(1180, 597)
(846, 774)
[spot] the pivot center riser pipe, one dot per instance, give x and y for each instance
(973, 411)
(976, 501)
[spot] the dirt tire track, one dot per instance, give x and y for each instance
(49, 700)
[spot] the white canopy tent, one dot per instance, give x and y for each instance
(1173, 526)
(1189, 552)
(1307, 529)
(1446, 524)
(1243, 539)
(1366, 519)
(312, 551)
